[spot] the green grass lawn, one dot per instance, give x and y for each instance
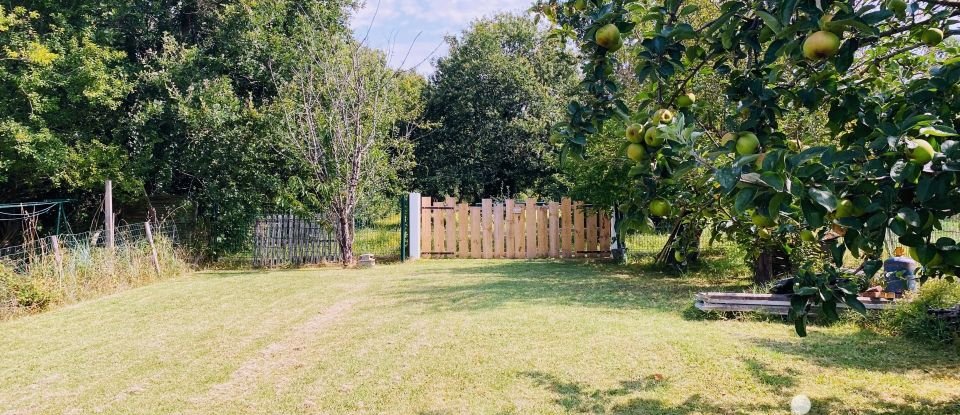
(450, 337)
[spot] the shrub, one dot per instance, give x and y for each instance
(910, 318)
(18, 292)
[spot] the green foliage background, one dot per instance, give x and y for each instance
(171, 98)
(488, 111)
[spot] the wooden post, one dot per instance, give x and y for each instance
(153, 248)
(108, 219)
(57, 256)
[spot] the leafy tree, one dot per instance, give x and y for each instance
(488, 109)
(163, 97)
(60, 92)
(341, 107)
(892, 165)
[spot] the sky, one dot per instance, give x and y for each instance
(398, 22)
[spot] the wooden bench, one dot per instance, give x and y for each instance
(768, 303)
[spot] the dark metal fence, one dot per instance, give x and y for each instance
(646, 245)
(289, 240)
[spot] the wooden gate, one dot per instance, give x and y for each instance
(512, 230)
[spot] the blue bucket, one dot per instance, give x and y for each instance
(900, 275)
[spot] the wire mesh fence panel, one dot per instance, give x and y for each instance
(645, 245)
(379, 236)
(71, 267)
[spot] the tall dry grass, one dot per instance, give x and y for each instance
(39, 281)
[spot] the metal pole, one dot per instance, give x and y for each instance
(403, 228)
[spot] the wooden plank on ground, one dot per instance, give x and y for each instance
(463, 226)
(530, 211)
(498, 241)
(772, 303)
(426, 231)
(475, 234)
(450, 224)
(486, 228)
(579, 234)
(553, 231)
(566, 227)
(509, 229)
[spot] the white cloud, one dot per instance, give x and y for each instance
(398, 22)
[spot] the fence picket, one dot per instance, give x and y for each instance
(498, 230)
(566, 228)
(579, 233)
(592, 236)
(553, 230)
(450, 224)
(486, 228)
(509, 229)
(439, 233)
(463, 222)
(475, 233)
(530, 216)
(426, 231)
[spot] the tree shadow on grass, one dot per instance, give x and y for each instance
(580, 398)
(493, 284)
(778, 382)
(577, 397)
(868, 351)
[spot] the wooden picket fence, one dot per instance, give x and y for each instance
(512, 230)
(287, 240)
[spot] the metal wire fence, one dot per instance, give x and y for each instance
(72, 267)
(646, 245)
(19, 257)
(642, 246)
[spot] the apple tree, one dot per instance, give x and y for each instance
(881, 75)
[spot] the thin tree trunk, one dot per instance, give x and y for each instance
(345, 236)
(763, 267)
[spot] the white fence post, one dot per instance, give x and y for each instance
(108, 218)
(414, 224)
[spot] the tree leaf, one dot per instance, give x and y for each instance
(938, 131)
(770, 21)
(824, 198)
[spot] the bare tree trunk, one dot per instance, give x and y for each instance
(763, 267)
(345, 237)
